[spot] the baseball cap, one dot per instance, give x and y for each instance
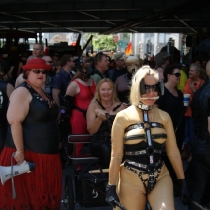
(119, 55)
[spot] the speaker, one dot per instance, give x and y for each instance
(189, 41)
(6, 172)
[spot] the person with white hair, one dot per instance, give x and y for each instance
(138, 134)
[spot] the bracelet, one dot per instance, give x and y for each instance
(19, 152)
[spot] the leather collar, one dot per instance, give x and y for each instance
(144, 107)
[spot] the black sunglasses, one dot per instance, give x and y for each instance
(154, 88)
(177, 74)
(37, 71)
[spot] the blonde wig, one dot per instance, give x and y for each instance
(135, 87)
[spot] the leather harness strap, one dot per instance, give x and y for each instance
(152, 167)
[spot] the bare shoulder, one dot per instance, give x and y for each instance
(92, 106)
(73, 84)
(121, 105)
(20, 94)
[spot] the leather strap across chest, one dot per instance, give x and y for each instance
(143, 125)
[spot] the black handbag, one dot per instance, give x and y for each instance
(91, 187)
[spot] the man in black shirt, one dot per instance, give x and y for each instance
(120, 68)
(201, 143)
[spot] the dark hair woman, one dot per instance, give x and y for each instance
(172, 103)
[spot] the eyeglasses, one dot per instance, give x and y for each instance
(154, 88)
(37, 71)
(49, 61)
(176, 74)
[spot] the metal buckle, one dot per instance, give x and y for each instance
(151, 181)
(147, 125)
(151, 167)
(150, 150)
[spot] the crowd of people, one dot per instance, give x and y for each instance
(134, 111)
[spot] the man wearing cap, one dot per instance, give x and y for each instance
(120, 68)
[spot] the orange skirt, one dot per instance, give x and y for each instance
(40, 189)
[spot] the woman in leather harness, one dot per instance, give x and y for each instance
(138, 133)
(100, 116)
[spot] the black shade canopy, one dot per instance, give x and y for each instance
(105, 16)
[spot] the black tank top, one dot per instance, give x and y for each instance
(104, 132)
(40, 130)
(3, 103)
(103, 135)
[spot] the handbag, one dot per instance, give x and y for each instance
(91, 187)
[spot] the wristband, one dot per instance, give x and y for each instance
(18, 152)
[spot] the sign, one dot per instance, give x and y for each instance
(122, 44)
(115, 38)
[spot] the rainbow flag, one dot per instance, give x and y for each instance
(129, 51)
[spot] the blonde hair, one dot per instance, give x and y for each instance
(136, 80)
(97, 94)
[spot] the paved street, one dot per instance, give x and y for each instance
(69, 171)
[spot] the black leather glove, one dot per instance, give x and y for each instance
(184, 193)
(111, 195)
(69, 104)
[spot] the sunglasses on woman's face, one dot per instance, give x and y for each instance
(177, 74)
(37, 71)
(154, 88)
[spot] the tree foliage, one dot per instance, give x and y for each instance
(102, 42)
